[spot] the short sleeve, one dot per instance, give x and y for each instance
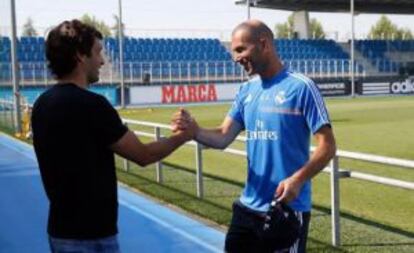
(313, 107)
(107, 123)
(236, 110)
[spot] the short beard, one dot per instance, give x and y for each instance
(93, 79)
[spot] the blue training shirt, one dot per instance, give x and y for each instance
(278, 115)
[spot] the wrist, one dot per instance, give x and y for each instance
(179, 138)
(196, 133)
(298, 179)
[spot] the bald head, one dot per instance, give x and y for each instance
(255, 29)
(252, 47)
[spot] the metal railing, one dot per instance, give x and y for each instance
(135, 73)
(213, 71)
(8, 117)
(333, 168)
(7, 113)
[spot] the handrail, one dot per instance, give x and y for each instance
(146, 123)
(376, 159)
(333, 169)
(341, 153)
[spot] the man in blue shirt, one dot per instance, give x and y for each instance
(278, 110)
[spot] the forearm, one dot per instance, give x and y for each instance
(289, 188)
(130, 147)
(214, 138)
(219, 137)
(158, 150)
(318, 161)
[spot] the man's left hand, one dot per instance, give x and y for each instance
(288, 189)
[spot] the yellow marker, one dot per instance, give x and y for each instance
(26, 131)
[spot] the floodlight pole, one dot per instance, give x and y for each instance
(248, 9)
(121, 53)
(15, 77)
(352, 49)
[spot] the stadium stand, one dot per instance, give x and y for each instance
(312, 55)
(172, 58)
(30, 54)
(208, 57)
(158, 59)
(317, 49)
(138, 49)
(5, 72)
(376, 51)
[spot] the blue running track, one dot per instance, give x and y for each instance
(144, 225)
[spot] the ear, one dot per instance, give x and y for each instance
(263, 43)
(80, 57)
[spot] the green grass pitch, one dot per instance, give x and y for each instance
(374, 217)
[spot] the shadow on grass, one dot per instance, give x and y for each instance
(144, 181)
(352, 217)
(322, 209)
(206, 175)
(203, 207)
(6, 130)
(388, 244)
(182, 198)
(318, 246)
(340, 120)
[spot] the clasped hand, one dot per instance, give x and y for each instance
(182, 123)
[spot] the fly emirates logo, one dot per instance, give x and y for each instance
(260, 133)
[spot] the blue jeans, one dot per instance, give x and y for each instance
(102, 245)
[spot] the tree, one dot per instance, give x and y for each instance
(99, 25)
(28, 29)
(385, 29)
(316, 29)
(406, 34)
(286, 30)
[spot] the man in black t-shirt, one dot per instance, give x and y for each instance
(75, 135)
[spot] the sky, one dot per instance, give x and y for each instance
(179, 17)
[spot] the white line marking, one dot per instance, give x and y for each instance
(170, 227)
(149, 216)
(14, 148)
(19, 174)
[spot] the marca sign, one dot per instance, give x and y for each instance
(181, 94)
(172, 94)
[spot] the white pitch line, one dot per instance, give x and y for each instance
(150, 216)
(168, 226)
(17, 149)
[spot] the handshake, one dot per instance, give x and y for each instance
(184, 125)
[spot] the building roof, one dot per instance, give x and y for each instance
(361, 6)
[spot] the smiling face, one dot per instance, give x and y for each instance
(247, 52)
(94, 62)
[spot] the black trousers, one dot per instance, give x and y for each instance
(243, 233)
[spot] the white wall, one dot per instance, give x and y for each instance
(178, 94)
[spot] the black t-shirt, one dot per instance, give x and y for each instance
(72, 131)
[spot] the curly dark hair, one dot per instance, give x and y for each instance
(65, 41)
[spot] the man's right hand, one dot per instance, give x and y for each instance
(183, 124)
